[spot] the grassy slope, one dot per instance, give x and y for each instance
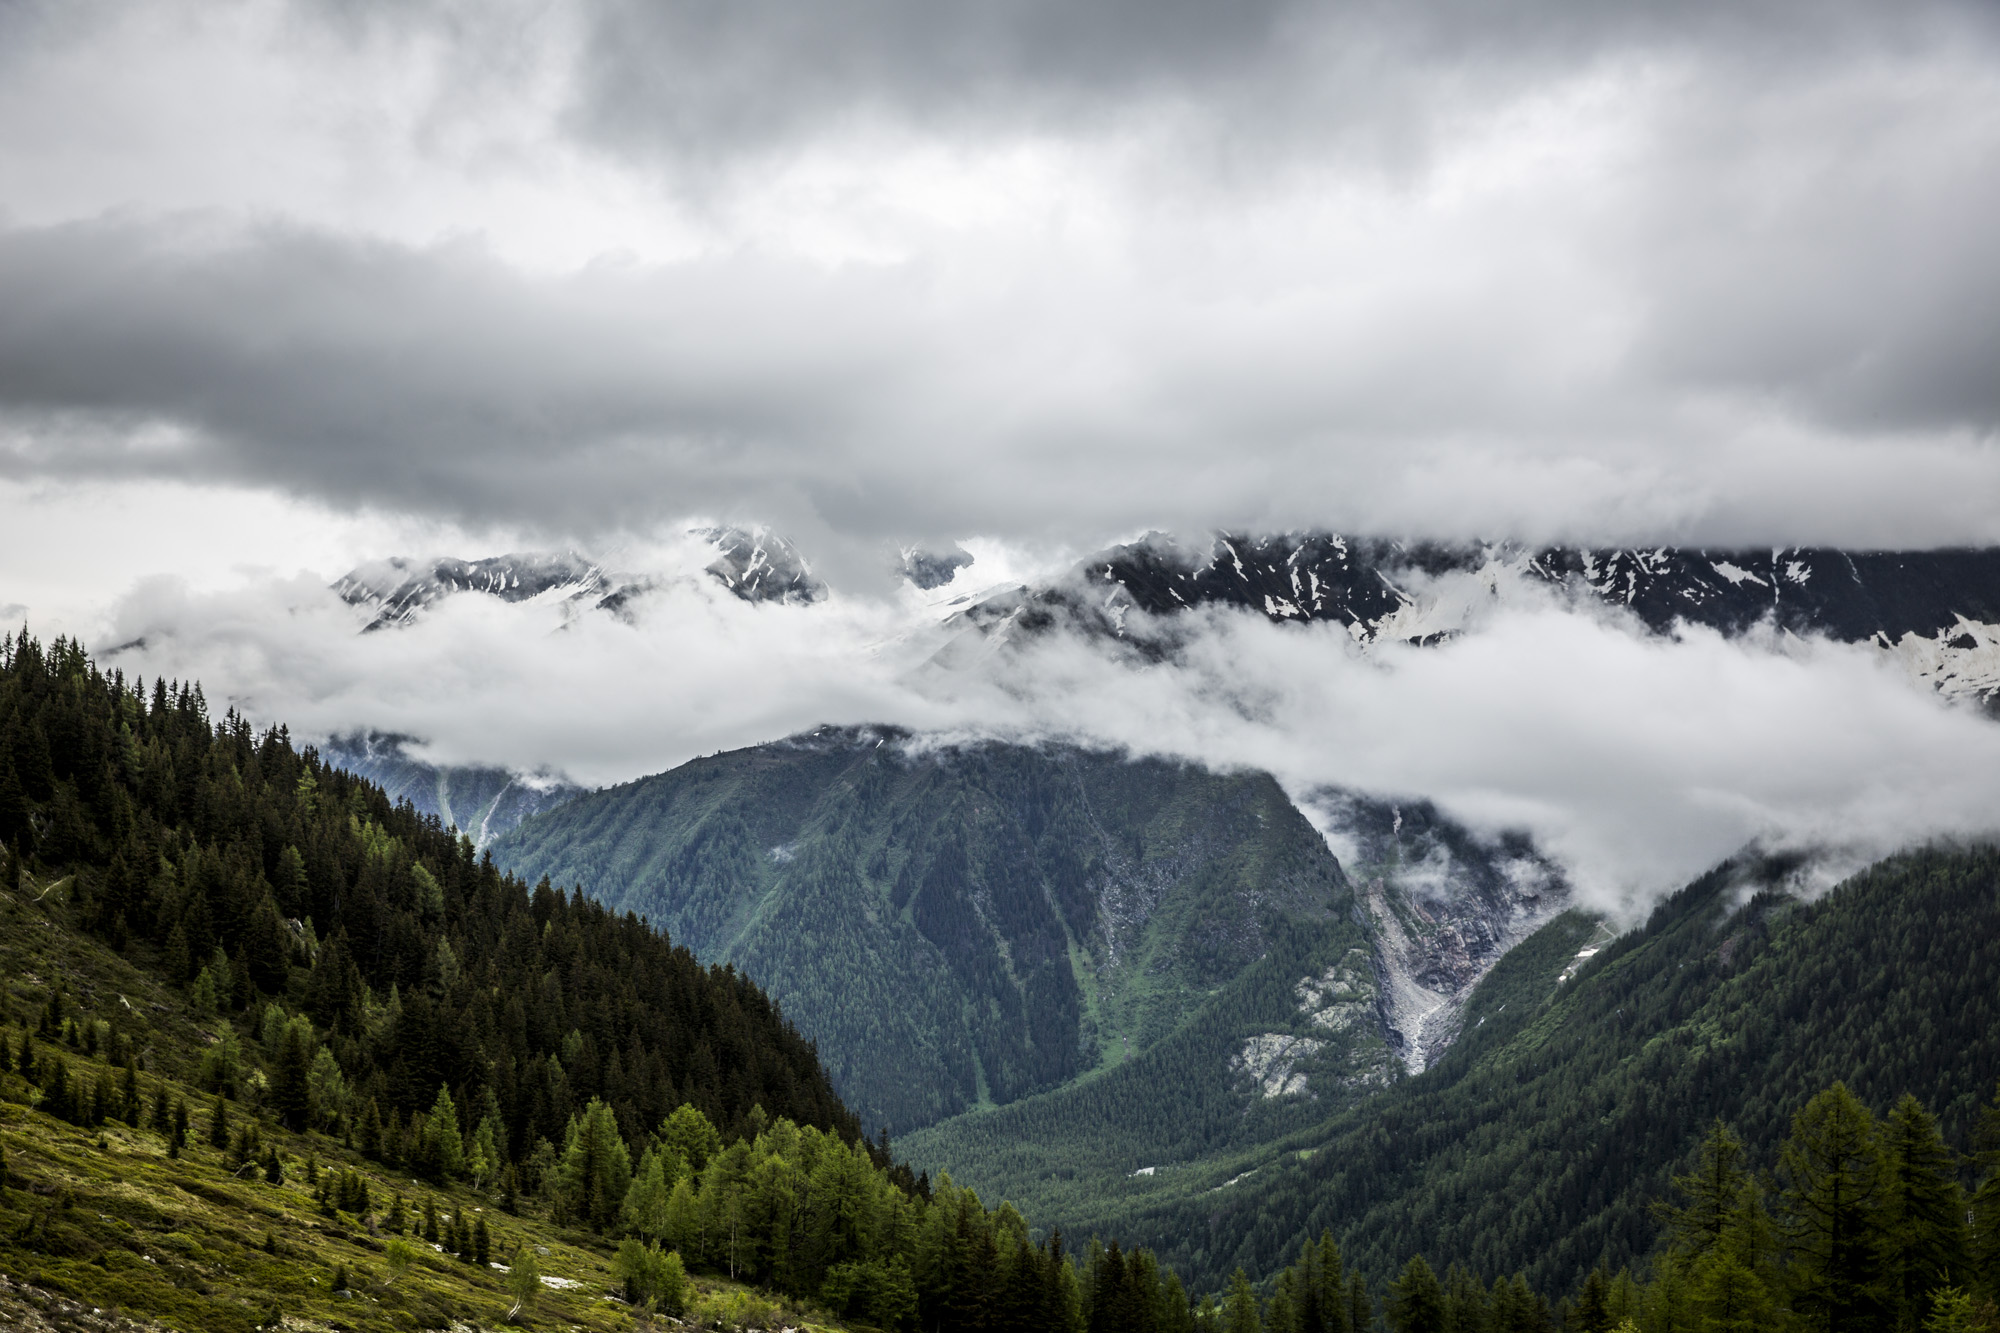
(105, 1218)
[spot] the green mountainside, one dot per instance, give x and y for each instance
(967, 925)
(276, 1053)
(1541, 1138)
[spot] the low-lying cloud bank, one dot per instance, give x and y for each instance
(1637, 761)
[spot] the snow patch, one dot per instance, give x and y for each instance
(1736, 575)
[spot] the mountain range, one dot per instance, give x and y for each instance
(1937, 611)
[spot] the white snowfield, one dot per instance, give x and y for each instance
(1960, 661)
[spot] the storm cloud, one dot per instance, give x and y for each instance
(889, 271)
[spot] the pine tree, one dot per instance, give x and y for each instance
(1360, 1302)
(1833, 1176)
(1416, 1301)
(291, 1095)
(1711, 1190)
(445, 1147)
(1923, 1212)
(596, 1167)
(57, 1098)
(1239, 1311)
(1984, 1241)
(371, 1131)
(1466, 1305)
(218, 1123)
(644, 1212)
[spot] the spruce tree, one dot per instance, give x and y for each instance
(445, 1146)
(291, 1091)
(371, 1131)
(644, 1212)
(218, 1123)
(1416, 1301)
(1985, 1237)
(1923, 1212)
(1710, 1191)
(1239, 1311)
(1832, 1173)
(131, 1106)
(596, 1167)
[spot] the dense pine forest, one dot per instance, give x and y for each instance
(250, 872)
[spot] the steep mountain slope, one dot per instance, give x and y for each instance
(205, 850)
(969, 924)
(1440, 907)
(951, 925)
(1938, 611)
(480, 801)
(1537, 1141)
(211, 1108)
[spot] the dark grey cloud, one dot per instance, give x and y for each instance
(689, 78)
(1701, 272)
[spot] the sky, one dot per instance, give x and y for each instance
(289, 286)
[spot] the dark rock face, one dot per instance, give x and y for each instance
(756, 566)
(1441, 906)
(929, 570)
(762, 567)
(1939, 610)
(400, 589)
(1848, 595)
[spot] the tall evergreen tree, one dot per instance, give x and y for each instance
(1239, 1311)
(1416, 1300)
(1711, 1190)
(291, 1093)
(1923, 1213)
(644, 1212)
(446, 1146)
(596, 1168)
(1833, 1181)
